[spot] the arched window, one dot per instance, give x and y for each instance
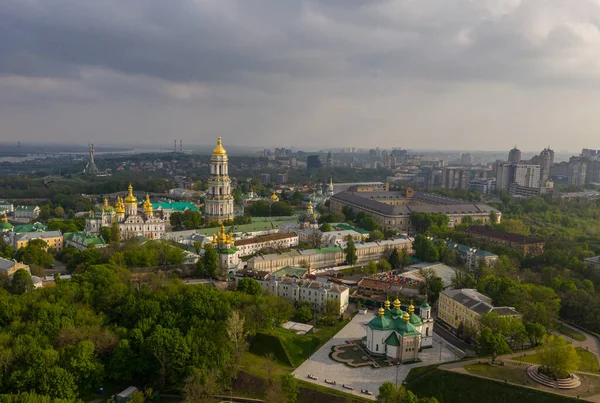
(426, 331)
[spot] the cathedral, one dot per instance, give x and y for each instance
(400, 335)
(218, 204)
(131, 221)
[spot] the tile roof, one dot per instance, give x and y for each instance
(507, 236)
(265, 238)
(435, 204)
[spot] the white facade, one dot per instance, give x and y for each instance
(6, 207)
(314, 292)
(219, 201)
(131, 221)
(250, 246)
(29, 212)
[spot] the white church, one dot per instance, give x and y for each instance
(400, 335)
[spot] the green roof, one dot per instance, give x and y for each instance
(5, 225)
(35, 227)
(258, 224)
(180, 206)
(348, 227)
(84, 238)
(328, 249)
(415, 320)
(405, 328)
(392, 340)
(425, 305)
(394, 312)
(291, 271)
(381, 323)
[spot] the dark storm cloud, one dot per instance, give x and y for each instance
(321, 66)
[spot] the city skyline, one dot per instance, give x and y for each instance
(457, 75)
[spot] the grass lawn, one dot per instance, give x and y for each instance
(516, 375)
(590, 385)
(298, 347)
(589, 362)
(257, 365)
(572, 333)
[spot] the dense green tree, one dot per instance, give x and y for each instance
(558, 357)
(350, 251)
(35, 253)
(375, 235)
(289, 387)
(249, 286)
(259, 208)
(492, 343)
(325, 227)
(281, 208)
(21, 282)
(431, 285)
(210, 261)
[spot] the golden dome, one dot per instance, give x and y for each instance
(230, 238)
(381, 312)
(4, 218)
(215, 240)
(274, 197)
(119, 206)
(387, 304)
(406, 317)
(397, 303)
(411, 307)
(130, 199)
(219, 150)
(147, 205)
(222, 235)
(105, 201)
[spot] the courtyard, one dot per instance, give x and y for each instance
(321, 366)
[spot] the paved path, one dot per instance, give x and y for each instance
(323, 367)
(591, 342)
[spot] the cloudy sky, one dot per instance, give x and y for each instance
(437, 74)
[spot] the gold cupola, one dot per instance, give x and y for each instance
(381, 311)
(219, 150)
(406, 317)
(274, 197)
(387, 303)
(119, 207)
(397, 303)
(215, 239)
(148, 205)
(411, 307)
(222, 235)
(130, 199)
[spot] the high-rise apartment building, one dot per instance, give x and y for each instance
(313, 162)
(518, 179)
(514, 156)
(265, 178)
(455, 178)
(466, 159)
(577, 171)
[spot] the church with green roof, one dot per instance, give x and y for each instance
(398, 334)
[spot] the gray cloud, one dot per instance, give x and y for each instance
(402, 72)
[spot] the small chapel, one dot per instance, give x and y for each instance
(398, 334)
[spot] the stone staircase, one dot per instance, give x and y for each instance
(567, 383)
